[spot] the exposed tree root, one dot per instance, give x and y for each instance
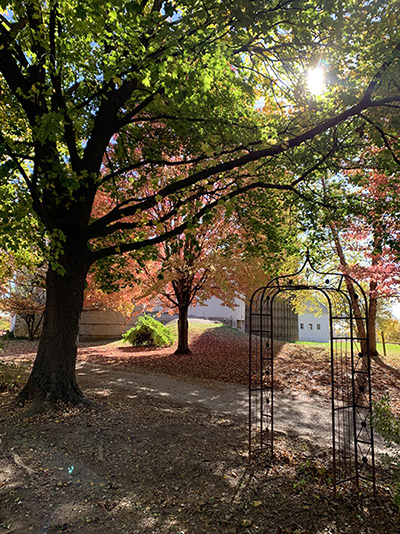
(39, 401)
(40, 406)
(392, 370)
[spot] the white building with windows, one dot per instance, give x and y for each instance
(314, 327)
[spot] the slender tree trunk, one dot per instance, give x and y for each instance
(29, 321)
(183, 331)
(372, 311)
(372, 303)
(53, 373)
(32, 324)
(38, 325)
(372, 308)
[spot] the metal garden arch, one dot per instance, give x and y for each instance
(352, 435)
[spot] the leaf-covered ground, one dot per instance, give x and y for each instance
(145, 465)
(154, 468)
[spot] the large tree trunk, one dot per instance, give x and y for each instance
(53, 373)
(183, 331)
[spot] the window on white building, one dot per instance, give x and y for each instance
(301, 326)
(318, 327)
(310, 326)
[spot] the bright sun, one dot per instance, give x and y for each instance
(315, 80)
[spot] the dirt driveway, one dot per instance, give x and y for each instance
(296, 414)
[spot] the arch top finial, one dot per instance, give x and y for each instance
(307, 265)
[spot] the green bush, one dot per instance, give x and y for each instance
(8, 335)
(388, 425)
(149, 332)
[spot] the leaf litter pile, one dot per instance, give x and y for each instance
(144, 465)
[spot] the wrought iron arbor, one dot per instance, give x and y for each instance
(352, 435)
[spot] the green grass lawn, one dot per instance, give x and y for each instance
(4, 323)
(196, 326)
(392, 350)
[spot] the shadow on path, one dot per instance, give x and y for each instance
(297, 415)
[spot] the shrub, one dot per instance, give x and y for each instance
(8, 335)
(388, 425)
(148, 332)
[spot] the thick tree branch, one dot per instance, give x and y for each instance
(221, 168)
(376, 80)
(20, 85)
(127, 118)
(137, 245)
(175, 163)
(384, 137)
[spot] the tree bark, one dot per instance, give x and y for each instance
(183, 331)
(29, 319)
(372, 311)
(53, 375)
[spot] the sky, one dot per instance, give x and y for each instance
(396, 310)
